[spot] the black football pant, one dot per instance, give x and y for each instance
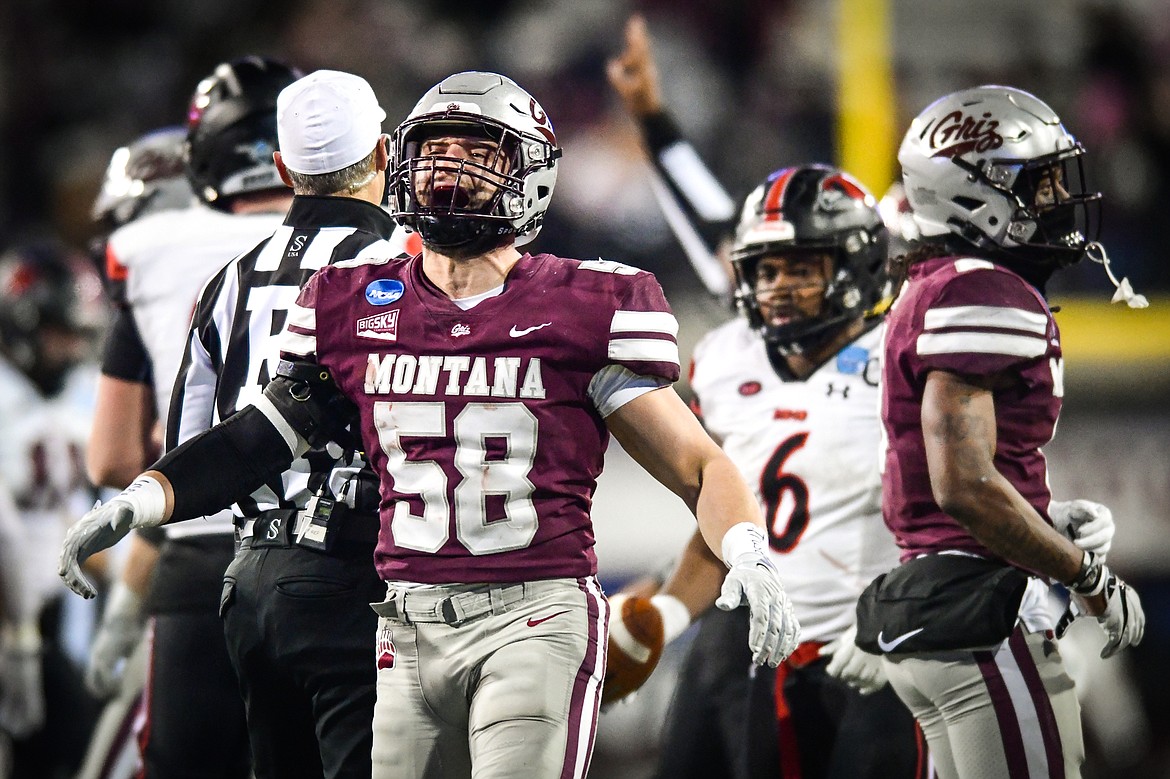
(56, 750)
(705, 735)
(194, 726)
(838, 732)
(722, 722)
(301, 635)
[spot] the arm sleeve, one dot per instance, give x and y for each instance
(16, 601)
(300, 407)
(697, 208)
(124, 356)
(231, 460)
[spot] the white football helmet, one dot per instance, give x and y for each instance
(148, 175)
(483, 105)
(995, 167)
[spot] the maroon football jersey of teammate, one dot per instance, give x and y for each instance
(481, 423)
(969, 317)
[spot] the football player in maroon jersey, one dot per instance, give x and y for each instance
(485, 383)
(972, 388)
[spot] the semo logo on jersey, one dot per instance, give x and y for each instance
(383, 292)
(957, 133)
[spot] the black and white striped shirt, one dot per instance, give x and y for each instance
(232, 352)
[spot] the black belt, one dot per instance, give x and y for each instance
(277, 528)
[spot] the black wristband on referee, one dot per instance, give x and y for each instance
(660, 131)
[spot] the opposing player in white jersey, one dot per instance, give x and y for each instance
(790, 390)
(158, 262)
(50, 314)
(144, 177)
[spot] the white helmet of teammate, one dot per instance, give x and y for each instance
(994, 167)
(502, 196)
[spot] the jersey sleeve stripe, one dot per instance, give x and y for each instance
(981, 343)
(645, 349)
(298, 344)
(302, 318)
(643, 322)
(1001, 317)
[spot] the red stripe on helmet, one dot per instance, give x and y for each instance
(775, 195)
(847, 183)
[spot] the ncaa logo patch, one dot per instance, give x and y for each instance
(383, 292)
(386, 650)
(380, 327)
(852, 359)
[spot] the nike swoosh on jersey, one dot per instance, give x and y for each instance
(891, 645)
(517, 333)
(534, 622)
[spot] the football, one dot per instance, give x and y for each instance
(635, 645)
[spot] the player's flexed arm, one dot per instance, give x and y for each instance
(665, 438)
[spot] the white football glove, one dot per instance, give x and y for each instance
(774, 631)
(142, 504)
(102, 527)
(22, 697)
(1089, 525)
(1123, 619)
(121, 628)
(857, 668)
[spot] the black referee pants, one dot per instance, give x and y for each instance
(301, 635)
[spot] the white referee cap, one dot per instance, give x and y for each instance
(327, 121)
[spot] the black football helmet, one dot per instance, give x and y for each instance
(811, 208)
(45, 289)
(231, 129)
(146, 176)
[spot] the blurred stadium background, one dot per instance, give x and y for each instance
(756, 84)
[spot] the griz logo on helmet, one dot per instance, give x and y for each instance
(958, 133)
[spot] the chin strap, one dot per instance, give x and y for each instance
(1095, 251)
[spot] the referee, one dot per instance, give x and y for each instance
(295, 599)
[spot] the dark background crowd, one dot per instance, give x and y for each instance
(751, 80)
(753, 84)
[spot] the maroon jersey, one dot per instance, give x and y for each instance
(972, 318)
(484, 424)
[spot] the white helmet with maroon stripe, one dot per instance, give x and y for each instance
(979, 165)
(518, 179)
(811, 209)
